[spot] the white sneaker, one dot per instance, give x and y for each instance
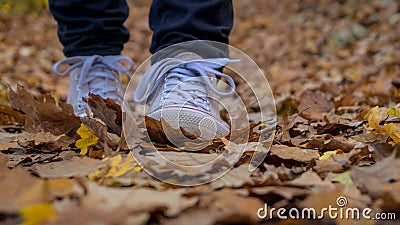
(182, 92)
(93, 74)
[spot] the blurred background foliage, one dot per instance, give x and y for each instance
(23, 6)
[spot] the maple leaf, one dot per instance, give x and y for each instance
(87, 140)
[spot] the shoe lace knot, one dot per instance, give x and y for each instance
(94, 73)
(184, 83)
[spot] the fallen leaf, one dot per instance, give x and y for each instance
(393, 129)
(325, 196)
(342, 178)
(171, 202)
(391, 196)
(14, 193)
(44, 114)
(328, 154)
(290, 155)
(235, 178)
(313, 103)
(221, 207)
(107, 110)
(329, 142)
(10, 116)
(44, 141)
(87, 140)
(309, 178)
(76, 167)
(338, 163)
(369, 179)
(99, 129)
(38, 213)
(374, 118)
(273, 193)
(88, 216)
(119, 168)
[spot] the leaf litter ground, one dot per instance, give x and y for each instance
(334, 71)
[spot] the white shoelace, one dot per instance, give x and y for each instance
(88, 72)
(183, 82)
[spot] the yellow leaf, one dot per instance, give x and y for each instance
(114, 161)
(37, 213)
(116, 167)
(343, 178)
(393, 129)
(393, 112)
(374, 116)
(137, 169)
(87, 140)
(120, 169)
(96, 175)
(328, 154)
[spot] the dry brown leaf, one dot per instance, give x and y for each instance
(369, 179)
(393, 129)
(3, 163)
(390, 195)
(44, 114)
(324, 196)
(100, 130)
(7, 141)
(221, 207)
(313, 103)
(88, 215)
(328, 142)
(235, 178)
(171, 202)
(19, 189)
(10, 116)
(75, 167)
(309, 178)
(272, 193)
(107, 110)
(339, 162)
(290, 155)
(44, 141)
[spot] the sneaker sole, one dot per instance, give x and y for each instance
(193, 121)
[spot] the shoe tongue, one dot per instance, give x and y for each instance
(98, 83)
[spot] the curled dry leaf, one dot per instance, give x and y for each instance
(99, 129)
(44, 141)
(44, 114)
(328, 142)
(107, 110)
(9, 116)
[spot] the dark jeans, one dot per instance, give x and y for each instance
(88, 27)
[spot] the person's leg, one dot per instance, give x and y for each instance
(180, 86)
(176, 21)
(91, 27)
(93, 36)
